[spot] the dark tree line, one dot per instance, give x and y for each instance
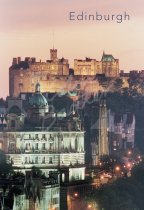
(124, 194)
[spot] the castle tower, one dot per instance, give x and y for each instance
(110, 65)
(53, 54)
(103, 132)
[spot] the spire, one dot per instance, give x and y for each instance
(103, 55)
(103, 129)
(37, 87)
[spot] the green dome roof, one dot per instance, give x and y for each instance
(38, 100)
(107, 57)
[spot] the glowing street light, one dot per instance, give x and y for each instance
(102, 177)
(89, 206)
(129, 152)
(117, 168)
(75, 194)
(128, 165)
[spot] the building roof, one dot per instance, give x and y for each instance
(107, 57)
(15, 110)
(38, 100)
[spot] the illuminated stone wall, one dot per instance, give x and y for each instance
(26, 83)
(87, 67)
(53, 74)
(111, 69)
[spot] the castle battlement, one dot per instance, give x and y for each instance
(54, 73)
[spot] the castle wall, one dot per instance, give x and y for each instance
(24, 81)
(110, 69)
(87, 67)
(54, 74)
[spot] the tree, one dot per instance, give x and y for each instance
(5, 167)
(36, 172)
(138, 172)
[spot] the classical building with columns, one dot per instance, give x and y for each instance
(42, 138)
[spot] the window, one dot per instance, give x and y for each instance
(26, 160)
(55, 200)
(50, 160)
(12, 147)
(43, 160)
(27, 146)
(43, 146)
(36, 160)
(36, 146)
(51, 146)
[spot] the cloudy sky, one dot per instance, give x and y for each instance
(27, 28)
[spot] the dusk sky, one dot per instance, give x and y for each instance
(27, 28)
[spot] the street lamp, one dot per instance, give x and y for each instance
(100, 163)
(89, 206)
(71, 199)
(129, 165)
(101, 177)
(117, 168)
(75, 194)
(129, 152)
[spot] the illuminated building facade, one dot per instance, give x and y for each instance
(23, 75)
(109, 66)
(54, 74)
(50, 141)
(49, 199)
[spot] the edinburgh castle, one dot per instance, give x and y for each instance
(55, 75)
